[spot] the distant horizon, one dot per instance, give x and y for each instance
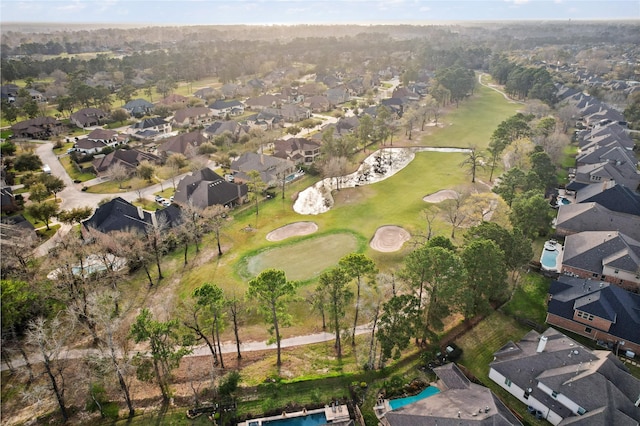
(309, 12)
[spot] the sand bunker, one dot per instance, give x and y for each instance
(389, 238)
(292, 230)
(380, 165)
(440, 196)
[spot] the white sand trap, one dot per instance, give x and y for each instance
(389, 238)
(295, 229)
(440, 196)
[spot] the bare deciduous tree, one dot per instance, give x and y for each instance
(453, 211)
(49, 338)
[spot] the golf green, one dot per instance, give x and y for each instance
(304, 260)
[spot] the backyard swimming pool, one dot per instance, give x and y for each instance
(549, 257)
(401, 402)
(316, 419)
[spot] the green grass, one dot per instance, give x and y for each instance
(63, 149)
(73, 172)
(473, 122)
(45, 233)
(529, 299)
(110, 187)
(167, 193)
(299, 260)
(147, 205)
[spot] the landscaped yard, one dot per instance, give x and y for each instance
(73, 172)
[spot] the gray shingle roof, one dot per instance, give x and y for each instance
(569, 369)
(206, 188)
(462, 402)
(614, 197)
(590, 250)
(606, 301)
(574, 218)
(118, 215)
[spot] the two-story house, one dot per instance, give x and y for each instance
(565, 383)
(299, 150)
(596, 309)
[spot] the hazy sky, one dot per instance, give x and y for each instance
(310, 11)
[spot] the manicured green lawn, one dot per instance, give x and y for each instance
(299, 260)
(473, 122)
(110, 187)
(73, 172)
(529, 299)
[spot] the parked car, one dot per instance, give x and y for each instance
(159, 199)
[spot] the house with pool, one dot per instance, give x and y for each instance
(565, 383)
(453, 400)
(334, 414)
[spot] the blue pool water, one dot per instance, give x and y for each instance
(401, 402)
(549, 258)
(316, 419)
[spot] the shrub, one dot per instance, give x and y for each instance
(229, 383)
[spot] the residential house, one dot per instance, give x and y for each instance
(222, 108)
(89, 146)
(17, 231)
(604, 116)
(37, 128)
(264, 120)
(598, 310)
(291, 95)
(36, 95)
(206, 188)
(346, 125)
(169, 217)
(311, 89)
(299, 150)
(329, 80)
(204, 93)
(217, 128)
(615, 197)
(118, 215)
(565, 383)
(99, 139)
(395, 105)
(293, 113)
(337, 96)
(138, 107)
(264, 101)
(87, 117)
(9, 92)
(272, 169)
(459, 402)
(7, 200)
(128, 158)
(317, 103)
(405, 94)
(155, 125)
(623, 174)
(195, 116)
(610, 256)
(604, 135)
(578, 217)
(174, 99)
(185, 143)
(614, 153)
